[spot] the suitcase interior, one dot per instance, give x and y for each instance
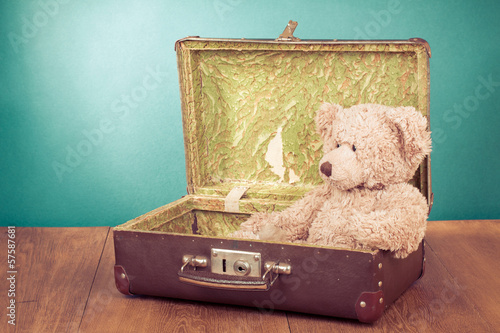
(248, 111)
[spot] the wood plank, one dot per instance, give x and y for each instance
(470, 251)
(107, 308)
(436, 303)
(55, 270)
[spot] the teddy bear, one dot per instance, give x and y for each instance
(370, 151)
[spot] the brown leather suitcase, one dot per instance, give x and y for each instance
(250, 142)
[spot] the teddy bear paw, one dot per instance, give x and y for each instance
(255, 222)
(244, 234)
(272, 232)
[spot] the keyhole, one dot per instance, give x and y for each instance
(241, 267)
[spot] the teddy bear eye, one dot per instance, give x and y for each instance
(353, 148)
(338, 145)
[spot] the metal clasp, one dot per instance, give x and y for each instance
(194, 261)
(275, 269)
(287, 35)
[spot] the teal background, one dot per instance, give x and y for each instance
(100, 78)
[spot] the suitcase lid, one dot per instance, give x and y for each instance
(248, 106)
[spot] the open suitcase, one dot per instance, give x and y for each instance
(250, 143)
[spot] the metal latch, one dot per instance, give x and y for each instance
(278, 268)
(246, 265)
(287, 35)
(239, 263)
(194, 261)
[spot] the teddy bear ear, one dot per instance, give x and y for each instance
(414, 134)
(325, 117)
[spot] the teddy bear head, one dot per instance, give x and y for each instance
(370, 145)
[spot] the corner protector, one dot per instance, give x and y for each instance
(424, 43)
(121, 280)
(178, 43)
(370, 306)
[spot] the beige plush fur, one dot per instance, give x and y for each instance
(370, 153)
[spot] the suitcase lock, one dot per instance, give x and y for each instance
(242, 264)
(238, 263)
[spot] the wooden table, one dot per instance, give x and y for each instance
(63, 282)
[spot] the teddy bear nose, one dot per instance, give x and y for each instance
(326, 169)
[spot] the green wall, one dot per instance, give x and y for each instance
(90, 123)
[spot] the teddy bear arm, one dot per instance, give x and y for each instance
(289, 225)
(398, 229)
(252, 225)
(292, 224)
(295, 221)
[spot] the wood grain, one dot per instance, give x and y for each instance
(55, 271)
(470, 251)
(110, 311)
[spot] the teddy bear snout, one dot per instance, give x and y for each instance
(326, 169)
